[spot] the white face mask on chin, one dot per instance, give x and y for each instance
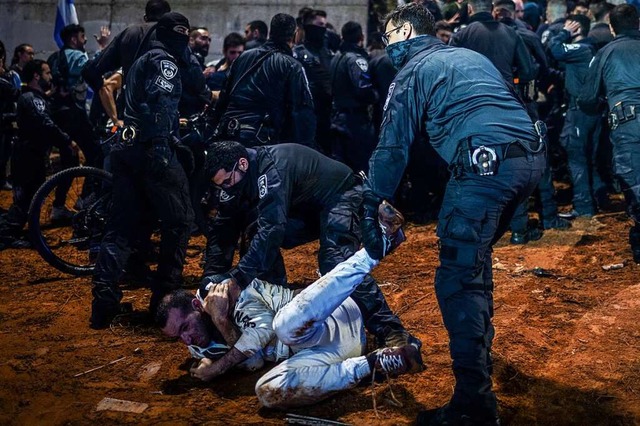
(214, 351)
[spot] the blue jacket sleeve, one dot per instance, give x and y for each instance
(403, 115)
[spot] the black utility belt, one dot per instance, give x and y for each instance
(233, 129)
(621, 114)
(484, 160)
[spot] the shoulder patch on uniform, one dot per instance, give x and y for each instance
(262, 186)
(389, 93)
(164, 84)
(570, 47)
(363, 64)
(224, 197)
(39, 104)
(169, 69)
(544, 38)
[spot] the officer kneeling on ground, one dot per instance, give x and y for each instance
(284, 196)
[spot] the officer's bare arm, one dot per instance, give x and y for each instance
(108, 99)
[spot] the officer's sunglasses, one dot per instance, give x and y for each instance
(229, 181)
(385, 36)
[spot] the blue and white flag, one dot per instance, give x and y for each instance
(65, 15)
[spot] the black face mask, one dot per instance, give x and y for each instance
(172, 31)
(239, 186)
(175, 43)
(314, 35)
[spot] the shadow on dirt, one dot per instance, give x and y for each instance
(344, 403)
(525, 400)
(228, 386)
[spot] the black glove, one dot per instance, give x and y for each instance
(159, 156)
(370, 229)
(208, 281)
(185, 157)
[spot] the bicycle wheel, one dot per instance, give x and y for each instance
(70, 240)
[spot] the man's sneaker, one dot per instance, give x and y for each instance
(391, 221)
(59, 214)
(396, 361)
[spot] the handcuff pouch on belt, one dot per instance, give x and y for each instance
(484, 160)
(620, 114)
(129, 134)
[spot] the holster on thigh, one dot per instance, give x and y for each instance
(460, 261)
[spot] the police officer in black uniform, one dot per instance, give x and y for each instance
(521, 233)
(37, 133)
(146, 172)
(455, 97)
(266, 99)
(581, 133)
(315, 57)
(284, 196)
(614, 73)
(498, 42)
(353, 94)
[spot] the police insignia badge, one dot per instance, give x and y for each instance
(363, 64)
(169, 69)
(224, 197)
(262, 186)
(39, 104)
(164, 84)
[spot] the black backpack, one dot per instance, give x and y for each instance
(59, 69)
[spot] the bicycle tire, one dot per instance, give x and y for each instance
(39, 240)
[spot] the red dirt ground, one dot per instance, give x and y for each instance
(567, 347)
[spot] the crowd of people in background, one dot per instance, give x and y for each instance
(349, 80)
(560, 76)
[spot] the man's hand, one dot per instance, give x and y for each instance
(221, 300)
(216, 304)
(75, 149)
(103, 38)
(205, 370)
(372, 239)
(219, 304)
(573, 27)
(208, 71)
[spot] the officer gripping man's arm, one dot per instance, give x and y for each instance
(390, 159)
